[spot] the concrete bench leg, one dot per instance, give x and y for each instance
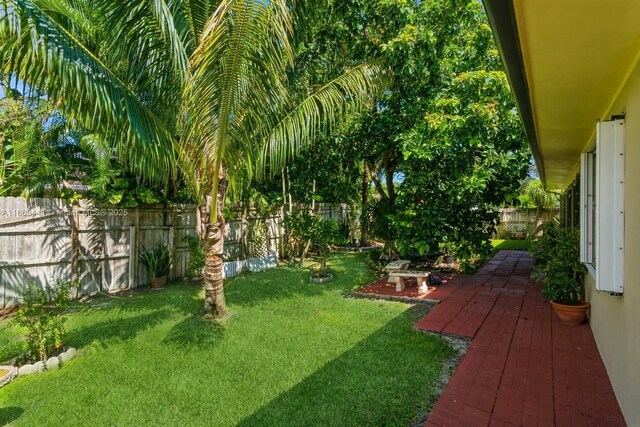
(392, 279)
(422, 285)
(399, 284)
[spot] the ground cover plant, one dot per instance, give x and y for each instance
(41, 315)
(292, 353)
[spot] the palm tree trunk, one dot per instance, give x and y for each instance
(213, 243)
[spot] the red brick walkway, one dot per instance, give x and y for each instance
(523, 368)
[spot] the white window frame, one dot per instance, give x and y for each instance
(588, 249)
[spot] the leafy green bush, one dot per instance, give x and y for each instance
(41, 315)
(311, 229)
(297, 226)
(157, 261)
(196, 256)
(323, 234)
(557, 259)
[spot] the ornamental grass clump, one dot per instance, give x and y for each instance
(157, 261)
(557, 259)
(41, 315)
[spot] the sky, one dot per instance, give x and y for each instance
(14, 83)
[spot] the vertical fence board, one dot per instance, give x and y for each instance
(519, 223)
(45, 239)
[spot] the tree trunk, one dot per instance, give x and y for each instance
(391, 190)
(323, 264)
(364, 217)
(212, 235)
(373, 174)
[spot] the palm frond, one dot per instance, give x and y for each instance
(49, 57)
(322, 111)
(67, 9)
(539, 196)
(147, 31)
(238, 71)
(197, 12)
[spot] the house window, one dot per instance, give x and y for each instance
(602, 207)
(589, 214)
(570, 204)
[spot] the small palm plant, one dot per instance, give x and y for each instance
(158, 263)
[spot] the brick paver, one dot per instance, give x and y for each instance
(523, 367)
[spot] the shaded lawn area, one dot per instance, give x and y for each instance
(509, 245)
(292, 353)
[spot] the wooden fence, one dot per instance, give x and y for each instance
(43, 239)
(519, 223)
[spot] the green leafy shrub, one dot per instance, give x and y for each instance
(41, 315)
(196, 256)
(323, 234)
(157, 261)
(312, 229)
(557, 259)
(297, 226)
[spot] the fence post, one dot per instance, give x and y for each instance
(132, 256)
(135, 247)
(243, 238)
(75, 246)
(173, 241)
(280, 228)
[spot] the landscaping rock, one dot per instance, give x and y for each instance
(68, 355)
(40, 366)
(53, 363)
(27, 369)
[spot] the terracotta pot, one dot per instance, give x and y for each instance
(571, 314)
(158, 282)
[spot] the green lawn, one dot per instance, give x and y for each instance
(292, 353)
(510, 245)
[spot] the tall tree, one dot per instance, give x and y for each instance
(203, 85)
(448, 128)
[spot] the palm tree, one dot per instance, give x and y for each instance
(541, 198)
(538, 195)
(200, 85)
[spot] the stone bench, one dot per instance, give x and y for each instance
(397, 265)
(398, 276)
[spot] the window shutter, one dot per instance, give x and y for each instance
(610, 206)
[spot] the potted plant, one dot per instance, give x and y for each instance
(158, 263)
(448, 249)
(557, 260)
